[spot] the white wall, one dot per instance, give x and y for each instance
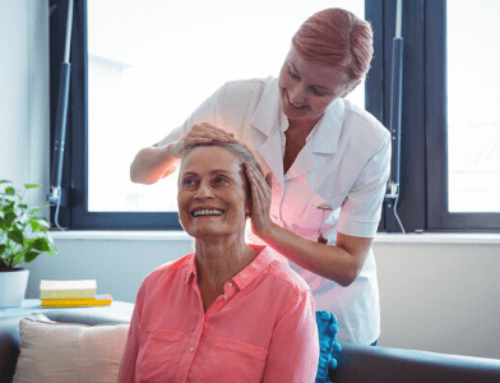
(24, 94)
(437, 297)
(440, 297)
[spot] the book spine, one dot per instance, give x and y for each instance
(67, 294)
(50, 305)
(99, 299)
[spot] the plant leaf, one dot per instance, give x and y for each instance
(5, 181)
(18, 257)
(30, 256)
(23, 206)
(17, 236)
(41, 244)
(2, 248)
(43, 221)
(10, 190)
(35, 226)
(10, 216)
(32, 186)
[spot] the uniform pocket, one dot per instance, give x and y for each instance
(157, 348)
(230, 360)
(313, 214)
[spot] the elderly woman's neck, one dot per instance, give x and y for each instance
(220, 259)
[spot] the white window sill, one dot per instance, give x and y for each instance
(425, 238)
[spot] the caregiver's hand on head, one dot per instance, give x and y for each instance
(261, 198)
(203, 134)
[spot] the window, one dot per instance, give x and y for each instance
(150, 66)
(140, 68)
(473, 90)
(463, 126)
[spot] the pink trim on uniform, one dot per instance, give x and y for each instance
(263, 328)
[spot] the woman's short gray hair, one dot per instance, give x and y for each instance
(239, 150)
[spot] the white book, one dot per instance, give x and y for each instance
(76, 289)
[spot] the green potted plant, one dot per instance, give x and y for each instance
(23, 237)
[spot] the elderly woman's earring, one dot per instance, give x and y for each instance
(321, 238)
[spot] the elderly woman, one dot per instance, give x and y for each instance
(328, 159)
(228, 312)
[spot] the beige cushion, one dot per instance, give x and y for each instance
(62, 352)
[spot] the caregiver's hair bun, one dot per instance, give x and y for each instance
(339, 38)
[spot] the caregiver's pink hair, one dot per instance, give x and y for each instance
(339, 38)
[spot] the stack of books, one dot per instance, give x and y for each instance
(81, 293)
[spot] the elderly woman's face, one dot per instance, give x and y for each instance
(212, 193)
(307, 87)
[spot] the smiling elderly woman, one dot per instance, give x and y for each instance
(228, 312)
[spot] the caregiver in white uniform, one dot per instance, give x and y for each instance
(327, 163)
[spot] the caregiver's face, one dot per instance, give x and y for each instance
(308, 87)
(212, 193)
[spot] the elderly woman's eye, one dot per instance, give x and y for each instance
(220, 181)
(188, 182)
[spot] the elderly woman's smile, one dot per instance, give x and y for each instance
(212, 194)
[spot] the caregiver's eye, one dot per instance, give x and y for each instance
(293, 75)
(318, 93)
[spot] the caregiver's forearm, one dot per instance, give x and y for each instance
(340, 263)
(152, 164)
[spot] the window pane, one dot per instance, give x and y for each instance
(473, 103)
(152, 62)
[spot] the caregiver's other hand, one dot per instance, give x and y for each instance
(261, 198)
(204, 133)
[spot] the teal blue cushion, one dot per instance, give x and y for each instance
(329, 347)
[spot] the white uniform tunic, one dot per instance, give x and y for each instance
(344, 165)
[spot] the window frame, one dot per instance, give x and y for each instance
(423, 190)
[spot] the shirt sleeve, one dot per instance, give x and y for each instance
(294, 350)
(126, 373)
(360, 212)
(206, 112)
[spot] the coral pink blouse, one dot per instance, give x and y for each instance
(262, 329)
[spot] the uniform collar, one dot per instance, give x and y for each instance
(245, 276)
(265, 118)
(326, 135)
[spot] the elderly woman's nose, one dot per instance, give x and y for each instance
(204, 190)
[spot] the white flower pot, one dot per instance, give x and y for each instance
(13, 286)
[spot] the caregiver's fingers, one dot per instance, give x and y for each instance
(203, 133)
(208, 130)
(261, 199)
(261, 188)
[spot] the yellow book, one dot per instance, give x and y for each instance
(77, 289)
(100, 300)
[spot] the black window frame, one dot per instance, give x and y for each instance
(422, 205)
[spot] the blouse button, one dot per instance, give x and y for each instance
(225, 296)
(191, 349)
(229, 284)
